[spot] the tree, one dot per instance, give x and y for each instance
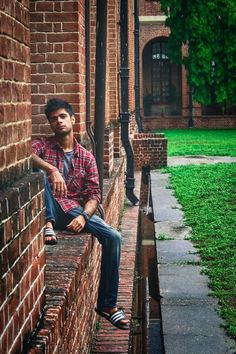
(208, 28)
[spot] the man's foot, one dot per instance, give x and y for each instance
(49, 234)
(115, 316)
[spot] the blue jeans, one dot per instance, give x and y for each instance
(108, 237)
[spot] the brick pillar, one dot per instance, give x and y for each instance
(113, 59)
(58, 59)
(117, 140)
(108, 150)
(21, 192)
(150, 149)
(131, 55)
(132, 125)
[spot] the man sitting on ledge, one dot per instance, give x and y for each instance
(72, 195)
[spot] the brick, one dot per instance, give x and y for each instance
(13, 251)
(58, 78)
(60, 17)
(44, 6)
(13, 302)
(70, 27)
(62, 37)
(62, 58)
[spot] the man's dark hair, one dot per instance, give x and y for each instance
(57, 103)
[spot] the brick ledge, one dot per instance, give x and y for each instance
(72, 277)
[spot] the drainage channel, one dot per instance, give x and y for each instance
(147, 329)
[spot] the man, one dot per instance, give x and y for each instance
(72, 195)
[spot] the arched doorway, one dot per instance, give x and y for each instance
(161, 80)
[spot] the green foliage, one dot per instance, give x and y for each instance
(218, 142)
(208, 194)
(208, 29)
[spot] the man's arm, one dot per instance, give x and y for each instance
(59, 188)
(92, 197)
(78, 223)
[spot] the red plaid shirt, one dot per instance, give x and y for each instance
(82, 179)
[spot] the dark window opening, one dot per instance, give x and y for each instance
(161, 80)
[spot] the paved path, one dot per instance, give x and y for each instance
(191, 324)
(188, 160)
(110, 340)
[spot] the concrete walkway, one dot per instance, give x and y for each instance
(199, 159)
(191, 324)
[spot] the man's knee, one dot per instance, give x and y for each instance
(116, 236)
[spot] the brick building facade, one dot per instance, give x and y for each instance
(164, 93)
(43, 55)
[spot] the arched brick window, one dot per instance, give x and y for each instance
(161, 80)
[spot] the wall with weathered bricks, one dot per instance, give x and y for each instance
(108, 150)
(58, 59)
(72, 278)
(113, 59)
(150, 149)
(208, 122)
(21, 192)
(131, 56)
(22, 261)
(15, 111)
(149, 8)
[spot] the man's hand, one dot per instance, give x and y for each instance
(59, 188)
(77, 224)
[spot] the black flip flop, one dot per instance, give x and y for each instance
(49, 232)
(115, 319)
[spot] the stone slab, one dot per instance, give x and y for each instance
(192, 320)
(182, 281)
(188, 344)
(167, 214)
(175, 251)
(172, 230)
(159, 179)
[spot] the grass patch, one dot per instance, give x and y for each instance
(207, 194)
(210, 142)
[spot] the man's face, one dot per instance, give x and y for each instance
(61, 122)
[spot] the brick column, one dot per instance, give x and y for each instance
(58, 58)
(117, 140)
(21, 192)
(150, 150)
(108, 150)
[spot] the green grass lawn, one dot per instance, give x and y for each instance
(208, 194)
(201, 142)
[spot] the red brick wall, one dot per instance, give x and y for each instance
(108, 150)
(208, 122)
(112, 60)
(114, 193)
(149, 150)
(92, 55)
(149, 8)
(117, 140)
(22, 261)
(131, 55)
(15, 110)
(21, 196)
(58, 58)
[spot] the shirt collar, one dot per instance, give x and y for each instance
(56, 145)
